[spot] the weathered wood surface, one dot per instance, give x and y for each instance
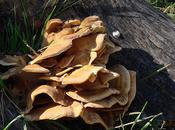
(148, 41)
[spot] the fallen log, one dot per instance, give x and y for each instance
(148, 40)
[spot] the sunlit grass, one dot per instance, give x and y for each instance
(136, 119)
(160, 3)
(164, 6)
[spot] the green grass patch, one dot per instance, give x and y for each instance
(160, 3)
(164, 6)
(18, 35)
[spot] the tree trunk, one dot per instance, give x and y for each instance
(148, 41)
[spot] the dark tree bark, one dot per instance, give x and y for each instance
(148, 41)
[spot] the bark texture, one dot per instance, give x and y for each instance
(148, 41)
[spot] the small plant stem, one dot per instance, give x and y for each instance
(140, 120)
(33, 51)
(155, 72)
(40, 50)
(15, 119)
(137, 118)
(163, 123)
(11, 101)
(2, 108)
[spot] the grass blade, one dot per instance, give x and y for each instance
(137, 118)
(138, 121)
(2, 85)
(150, 121)
(25, 126)
(10, 123)
(121, 122)
(2, 108)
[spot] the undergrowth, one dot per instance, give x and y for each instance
(17, 33)
(165, 6)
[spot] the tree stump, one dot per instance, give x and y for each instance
(148, 40)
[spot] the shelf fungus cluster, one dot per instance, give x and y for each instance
(69, 79)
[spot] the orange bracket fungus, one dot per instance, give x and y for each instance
(69, 79)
